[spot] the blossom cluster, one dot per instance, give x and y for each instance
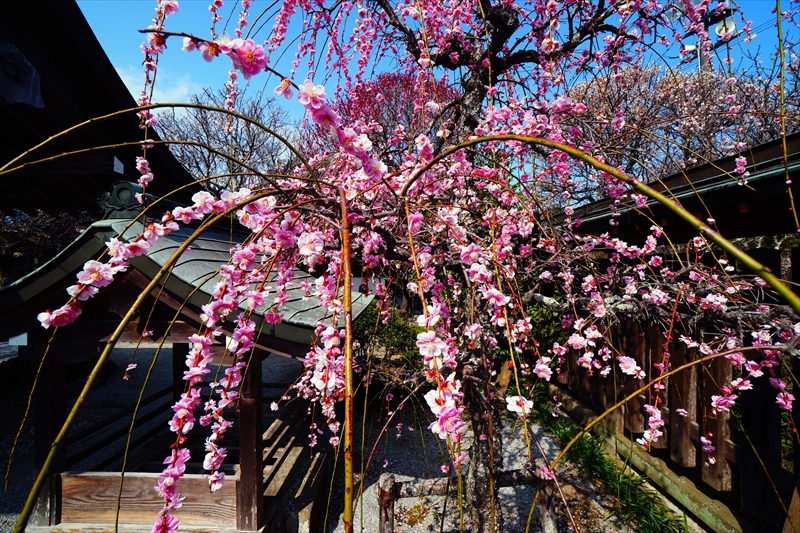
(475, 237)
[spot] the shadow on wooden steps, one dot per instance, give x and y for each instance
(296, 478)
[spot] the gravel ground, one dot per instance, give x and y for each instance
(418, 454)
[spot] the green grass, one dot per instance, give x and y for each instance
(636, 505)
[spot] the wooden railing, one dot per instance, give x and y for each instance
(753, 464)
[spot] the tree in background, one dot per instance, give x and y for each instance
(392, 109)
(246, 145)
(27, 241)
(675, 120)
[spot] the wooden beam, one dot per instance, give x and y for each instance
(49, 413)
(682, 395)
(250, 490)
(265, 342)
(91, 498)
(716, 426)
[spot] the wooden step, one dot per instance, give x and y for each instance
(304, 514)
(281, 449)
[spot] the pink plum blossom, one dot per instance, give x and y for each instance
(784, 400)
(448, 423)
(62, 316)
(96, 274)
(248, 57)
(165, 523)
(284, 89)
(628, 366)
(311, 96)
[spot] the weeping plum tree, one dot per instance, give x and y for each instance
(389, 110)
(478, 205)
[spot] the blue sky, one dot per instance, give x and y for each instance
(115, 23)
(180, 74)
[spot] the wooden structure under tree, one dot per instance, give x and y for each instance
(275, 470)
(751, 470)
(56, 76)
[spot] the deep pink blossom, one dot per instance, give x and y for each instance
(325, 116)
(165, 523)
(248, 57)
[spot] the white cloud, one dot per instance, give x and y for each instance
(169, 87)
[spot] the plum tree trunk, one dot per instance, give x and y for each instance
(486, 456)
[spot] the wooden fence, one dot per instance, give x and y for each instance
(755, 459)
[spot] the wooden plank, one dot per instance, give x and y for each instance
(310, 502)
(145, 441)
(99, 442)
(103, 424)
(276, 452)
(91, 498)
(760, 421)
(290, 463)
(682, 395)
(716, 427)
(278, 426)
(660, 398)
(792, 523)
(635, 345)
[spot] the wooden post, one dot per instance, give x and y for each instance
(616, 379)
(655, 354)
(600, 384)
(50, 411)
(634, 419)
(547, 502)
(386, 503)
(760, 449)
(179, 352)
(586, 380)
(682, 395)
(250, 489)
(717, 428)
